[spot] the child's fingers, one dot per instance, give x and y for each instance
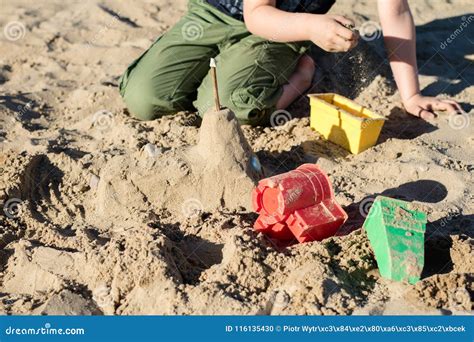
(341, 44)
(343, 20)
(346, 33)
(456, 105)
(420, 112)
(353, 43)
(425, 114)
(444, 106)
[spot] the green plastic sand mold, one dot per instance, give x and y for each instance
(397, 235)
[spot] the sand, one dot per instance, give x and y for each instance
(107, 215)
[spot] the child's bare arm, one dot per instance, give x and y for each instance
(327, 31)
(399, 35)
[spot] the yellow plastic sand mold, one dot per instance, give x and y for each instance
(345, 122)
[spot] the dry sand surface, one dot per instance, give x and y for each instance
(108, 215)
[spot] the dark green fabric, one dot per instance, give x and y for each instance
(173, 74)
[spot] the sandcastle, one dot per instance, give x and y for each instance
(219, 172)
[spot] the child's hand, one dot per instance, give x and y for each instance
(330, 33)
(424, 106)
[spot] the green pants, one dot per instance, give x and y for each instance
(173, 74)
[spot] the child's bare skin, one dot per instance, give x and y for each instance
(298, 83)
(330, 32)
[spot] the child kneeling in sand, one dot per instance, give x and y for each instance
(260, 48)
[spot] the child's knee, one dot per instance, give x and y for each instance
(145, 103)
(141, 107)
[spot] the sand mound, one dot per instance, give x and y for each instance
(219, 172)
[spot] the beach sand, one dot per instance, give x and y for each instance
(97, 216)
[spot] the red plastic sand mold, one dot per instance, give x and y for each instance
(298, 204)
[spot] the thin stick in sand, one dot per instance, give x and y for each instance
(214, 80)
